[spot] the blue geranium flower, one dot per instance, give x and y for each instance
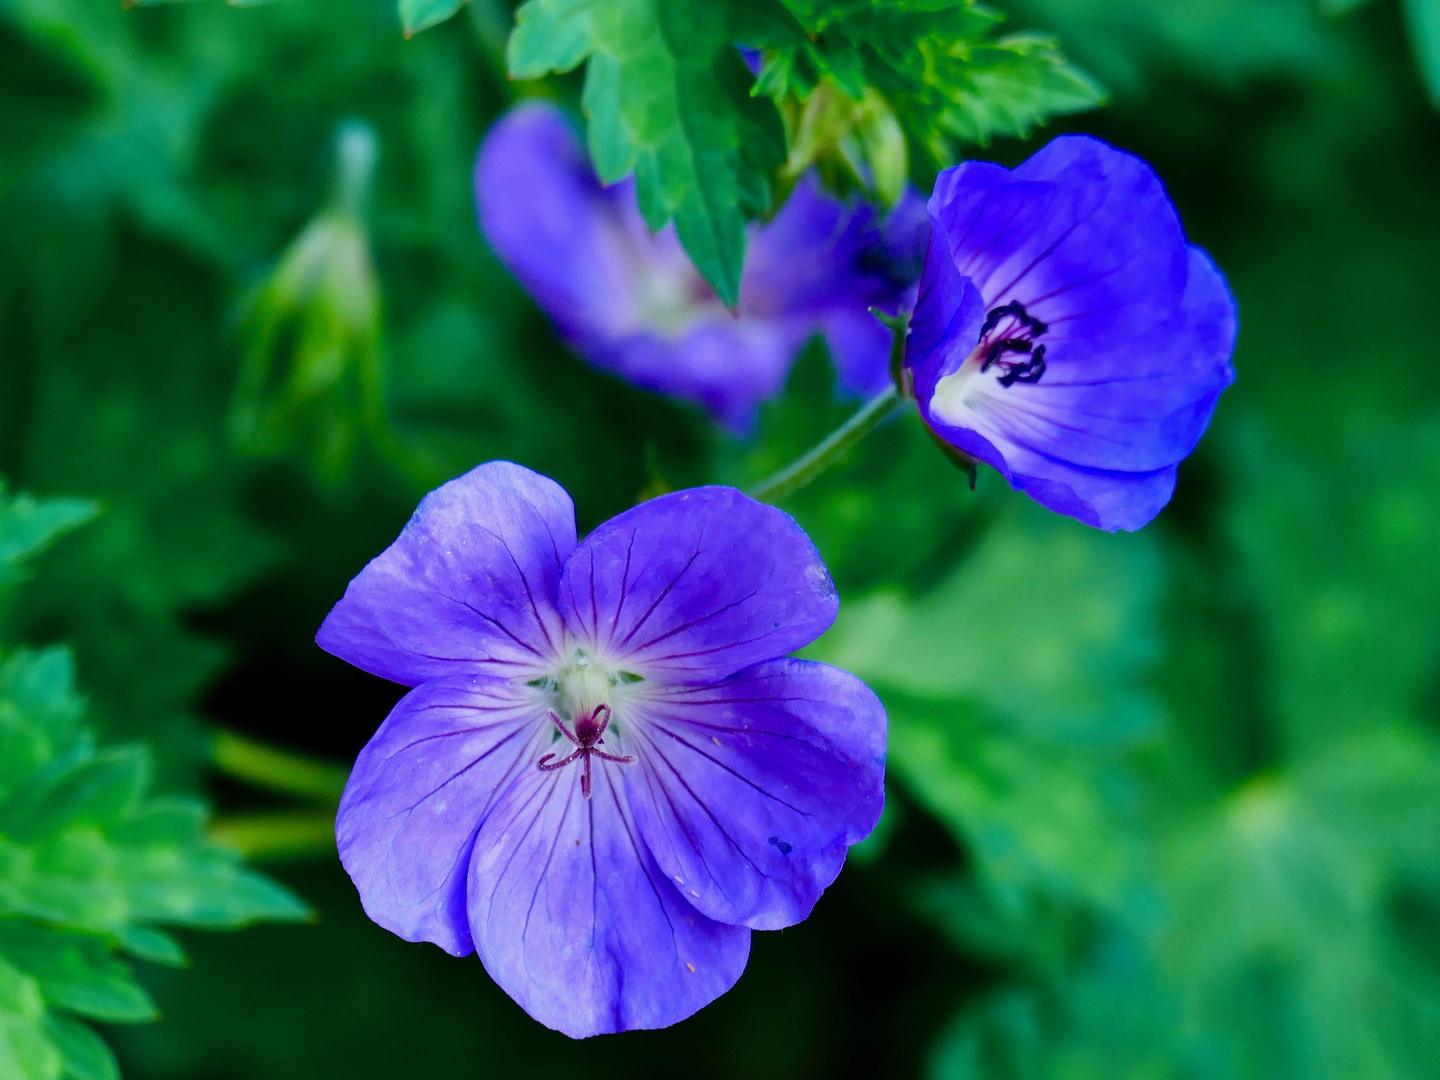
(607, 773)
(630, 301)
(1065, 332)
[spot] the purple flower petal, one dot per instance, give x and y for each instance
(818, 254)
(1098, 437)
(467, 586)
(1105, 341)
(857, 341)
(695, 585)
(1132, 406)
(948, 314)
(1082, 234)
(418, 793)
(749, 792)
(574, 920)
(567, 238)
(728, 366)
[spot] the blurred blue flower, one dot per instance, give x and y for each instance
(630, 301)
(1066, 334)
(607, 773)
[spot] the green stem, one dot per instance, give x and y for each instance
(807, 467)
(281, 834)
(835, 445)
(273, 769)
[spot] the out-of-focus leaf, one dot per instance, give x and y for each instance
(1284, 951)
(1222, 41)
(417, 15)
(1340, 561)
(87, 863)
(99, 792)
(26, 1053)
(147, 943)
(1013, 688)
(668, 98)
(28, 526)
(1048, 624)
(86, 1056)
(76, 972)
(1423, 19)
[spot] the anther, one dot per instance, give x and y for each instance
(1018, 339)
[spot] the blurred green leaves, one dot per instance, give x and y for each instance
(88, 866)
(872, 93)
(28, 526)
(89, 862)
(1152, 916)
(1014, 688)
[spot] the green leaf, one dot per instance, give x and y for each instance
(1015, 689)
(80, 844)
(26, 1052)
(1042, 821)
(28, 526)
(1049, 625)
(1423, 19)
(101, 791)
(417, 15)
(1129, 43)
(551, 36)
(39, 714)
(85, 1055)
(1011, 85)
(87, 864)
(936, 67)
(76, 972)
(146, 943)
(667, 98)
(1336, 548)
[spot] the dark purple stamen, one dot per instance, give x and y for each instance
(588, 735)
(1017, 337)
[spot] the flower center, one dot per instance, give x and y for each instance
(1011, 330)
(1007, 344)
(585, 691)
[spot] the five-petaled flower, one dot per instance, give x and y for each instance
(630, 301)
(1065, 332)
(608, 772)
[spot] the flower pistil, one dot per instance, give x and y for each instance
(589, 733)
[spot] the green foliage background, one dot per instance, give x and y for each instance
(1162, 806)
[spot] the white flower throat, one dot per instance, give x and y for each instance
(583, 691)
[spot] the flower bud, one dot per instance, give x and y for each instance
(310, 377)
(855, 143)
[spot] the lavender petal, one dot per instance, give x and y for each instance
(574, 920)
(419, 792)
(750, 791)
(467, 587)
(695, 585)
